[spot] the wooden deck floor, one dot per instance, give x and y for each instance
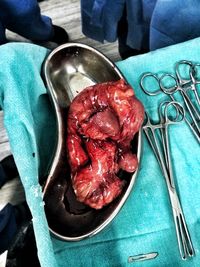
(65, 13)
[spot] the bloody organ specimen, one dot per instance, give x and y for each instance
(102, 121)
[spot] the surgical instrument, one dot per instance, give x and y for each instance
(182, 85)
(184, 242)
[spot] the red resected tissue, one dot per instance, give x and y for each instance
(102, 121)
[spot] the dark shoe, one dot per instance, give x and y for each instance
(60, 36)
(8, 170)
(22, 213)
(126, 52)
(23, 250)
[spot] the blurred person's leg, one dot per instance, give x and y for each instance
(8, 226)
(2, 34)
(126, 51)
(24, 18)
(11, 216)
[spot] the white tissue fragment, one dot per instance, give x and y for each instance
(36, 190)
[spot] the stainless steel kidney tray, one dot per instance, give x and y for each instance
(67, 70)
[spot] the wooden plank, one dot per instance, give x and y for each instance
(12, 192)
(4, 150)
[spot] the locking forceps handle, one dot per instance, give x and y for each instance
(184, 241)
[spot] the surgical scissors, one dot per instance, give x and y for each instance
(182, 85)
(164, 159)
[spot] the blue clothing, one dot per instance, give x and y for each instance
(8, 226)
(100, 18)
(173, 22)
(151, 23)
(23, 17)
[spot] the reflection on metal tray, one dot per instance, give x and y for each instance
(67, 70)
